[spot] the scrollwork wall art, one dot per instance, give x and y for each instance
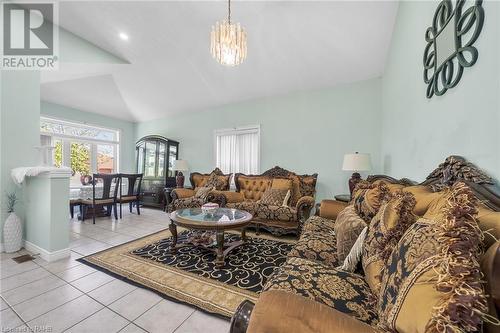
(455, 28)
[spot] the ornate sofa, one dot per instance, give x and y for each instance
(320, 297)
(185, 197)
(278, 220)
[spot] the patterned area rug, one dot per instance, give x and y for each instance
(190, 275)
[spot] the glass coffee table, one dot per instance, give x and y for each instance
(218, 221)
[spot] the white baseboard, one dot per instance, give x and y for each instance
(46, 255)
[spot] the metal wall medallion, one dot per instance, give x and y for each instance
(455, 28)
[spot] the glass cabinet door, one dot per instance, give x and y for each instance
(172, 156)
(140, 158)
(150, 161)
(161, 159)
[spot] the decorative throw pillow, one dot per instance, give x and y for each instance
(282, 184)
(432, 281)
(217, 182)
(347, 228)
(273, 197)
(203, 192)
(367, 199)
(386, 228)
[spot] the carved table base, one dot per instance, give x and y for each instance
(221, 249)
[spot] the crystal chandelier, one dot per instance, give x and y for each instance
(228, 41)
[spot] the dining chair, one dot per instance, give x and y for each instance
(133, 195)
(72, 204)
(104, 194)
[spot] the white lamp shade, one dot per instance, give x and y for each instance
(357, 162)
(180, 165)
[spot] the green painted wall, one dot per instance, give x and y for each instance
(418, 133)
(305, 132)
(20, 128)
(127, 130)
(47, 201)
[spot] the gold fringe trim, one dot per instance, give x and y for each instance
(463, 305)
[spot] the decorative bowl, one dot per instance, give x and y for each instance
(209, 208)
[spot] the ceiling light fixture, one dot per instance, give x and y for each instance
(228, 41)
(123, 36)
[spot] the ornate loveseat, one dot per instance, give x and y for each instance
(311, 293)
(279, 220)
(185, 197)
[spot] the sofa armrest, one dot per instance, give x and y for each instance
(302, 315)
(329, 209)
(181, 193)
(304, 206)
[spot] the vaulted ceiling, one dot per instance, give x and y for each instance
(292, 46)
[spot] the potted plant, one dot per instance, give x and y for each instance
(12, 228)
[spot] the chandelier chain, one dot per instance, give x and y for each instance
(229, 11)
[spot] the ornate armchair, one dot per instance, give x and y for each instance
(187, 198)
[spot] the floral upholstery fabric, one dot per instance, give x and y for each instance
(343, 291)
(216, 181)
(274, 197)
(318, 224)
(202, 192)
(249, 206)
(367, 199)
(317, 242)
(348, 227)
(190, 202)
(384, 232)
(280, 213)
(436, 264)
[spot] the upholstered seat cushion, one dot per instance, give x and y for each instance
(249, 206)
(317, 242)
(127, 198)
(319, 224)
(191, 202)
(280, 213)
(98, 201)
(343, 291)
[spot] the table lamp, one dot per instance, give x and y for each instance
(180, 165)
(356, 162)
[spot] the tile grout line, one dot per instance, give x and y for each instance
(145, 311)
(46, 291)
(16, 313)
(129, 322)
(192, 313)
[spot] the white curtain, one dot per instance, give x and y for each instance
(238, 151)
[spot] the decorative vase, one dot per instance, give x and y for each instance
(12, 233)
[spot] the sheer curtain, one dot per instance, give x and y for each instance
(237, 150)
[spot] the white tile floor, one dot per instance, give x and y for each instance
(67, 296)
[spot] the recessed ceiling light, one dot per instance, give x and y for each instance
(123, 36)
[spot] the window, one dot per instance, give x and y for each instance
(85, 149)
(238, 150)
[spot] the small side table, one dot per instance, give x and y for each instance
(343, 197)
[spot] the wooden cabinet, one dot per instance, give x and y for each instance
(155, 155)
